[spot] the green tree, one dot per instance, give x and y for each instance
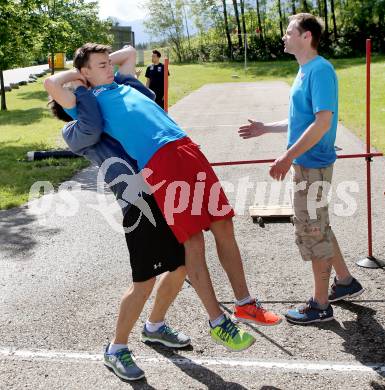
(326, 20)
(86, 26)
(305, 6)
(227, 31)
(67, 24)
(332, 10)
(236, 12)
(242, 3)
(280, 16)
(165, 20)
(18, 29)
(55, 29)
(293, 8)
(260, 27)
(45, 27)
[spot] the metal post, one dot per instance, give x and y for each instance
(245, 40)
(370, 261)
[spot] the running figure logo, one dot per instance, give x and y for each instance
(136, 186)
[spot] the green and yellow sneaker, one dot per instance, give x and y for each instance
(231, 336)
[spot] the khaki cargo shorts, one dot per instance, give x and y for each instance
(313, 233)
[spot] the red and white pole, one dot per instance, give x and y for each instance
(370, 261)
(368, 159)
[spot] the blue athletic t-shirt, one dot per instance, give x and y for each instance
(72, 112)
(315, 89)
(136, 121)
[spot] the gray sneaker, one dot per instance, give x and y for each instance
(166, 336)
(122, 364)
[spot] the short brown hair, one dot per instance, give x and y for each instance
(157, 52)
(82, 55)
(309, 22)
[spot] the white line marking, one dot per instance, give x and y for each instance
(288, 365)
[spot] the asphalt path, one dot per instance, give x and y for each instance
(15, 76)
(62, 276)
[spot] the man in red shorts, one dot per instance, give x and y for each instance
(167, 156)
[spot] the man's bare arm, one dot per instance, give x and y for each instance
(126, 60)
(54, 85)
(147, 82)
(256, 129)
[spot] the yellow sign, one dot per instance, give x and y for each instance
(59, 60)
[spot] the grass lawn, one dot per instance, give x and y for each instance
(28, 124)
(352, 81)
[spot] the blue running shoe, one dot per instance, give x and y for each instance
(309, 314)
(122, 364)
(338, 292)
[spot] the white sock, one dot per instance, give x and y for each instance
(244, 301)
(115, 347)
(153, 326)
(217, 321)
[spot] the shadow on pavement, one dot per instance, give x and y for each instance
(141, 384)
(363, 338)
(16, 238)
(87, 178)
(269, 388)
(376, 386)
(301, 302)
(196, 371)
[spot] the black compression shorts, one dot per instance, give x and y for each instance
(153, 249)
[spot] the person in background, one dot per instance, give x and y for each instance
(155, 78)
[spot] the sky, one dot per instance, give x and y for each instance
(126, 10)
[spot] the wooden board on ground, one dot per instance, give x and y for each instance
(271, 214)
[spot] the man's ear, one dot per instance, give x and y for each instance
(308, 35)
(84, 72)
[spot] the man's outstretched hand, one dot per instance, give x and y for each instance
(253, 129)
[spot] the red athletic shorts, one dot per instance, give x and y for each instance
(191, 197)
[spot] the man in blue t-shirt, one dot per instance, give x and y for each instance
(119, 171)
(311, 127)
